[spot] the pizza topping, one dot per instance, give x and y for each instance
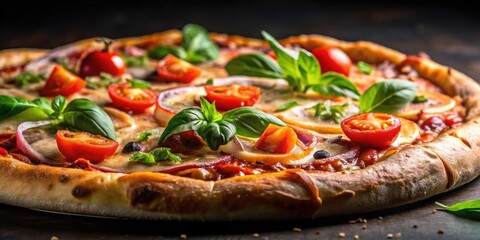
(333, 60)
(364, 67)
(27, 149)
(183, 142)
(131, 147)
(8, 140)
(327, 111)
(287, 106)
(62, 82)
(387, 96)
(131, 96)
(104, 61)
(3, 152)
(101, 81)
(255, 65)
(377, 130)
(154, 156)
(29, 77)
(320, 154)
(435, 103)
(74, 145)
(173, 69)
(277, 139)
(230, 97)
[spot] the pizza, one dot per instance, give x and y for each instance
(190, 125)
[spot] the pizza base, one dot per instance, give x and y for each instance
(412, 174)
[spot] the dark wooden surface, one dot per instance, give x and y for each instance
(448, 33)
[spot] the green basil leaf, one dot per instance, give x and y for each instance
(254, 65)
(334, 84)
(216, 134)
(250, 122)
(145, 135)
(160, 52)
(327, 111)
(420, 99)
(364, 67)
(387, 96)
(28, 77)
(44, 105)
(287, 106)
(141, 61)
(209, 82)
(104, 81)
(467, 209)
(308, 67)
(198, 45)
(59, 103)
(145, 158)
(11, 106)
(137, 83)
(185, 120)
(83, 115)
(164, 154)
(209, 111)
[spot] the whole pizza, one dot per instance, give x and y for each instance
(192, 125)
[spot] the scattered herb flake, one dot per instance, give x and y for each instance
(420, 99)
(327, 111)
(287, 106)
(364, 67)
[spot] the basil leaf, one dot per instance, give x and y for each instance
(141, 61)
(467, 209)
(160, 52)
(83, 115)
(287, 106)
(209, 82)
(209, 111)
(198, 45)
(387, 96)
(154, 156)
(137, 83)
(59, 103)
(249, 121)
(185, 120)
(420, 99)
(44, 105)
(142, 157)
(254, 65)
(308, 68)
(145, 135)
(334, 84)
(327, 111)
(364, 67)
(10, 106)
(216, 134)
(105, 80)
(28, 77)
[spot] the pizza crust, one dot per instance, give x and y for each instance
(410, 175)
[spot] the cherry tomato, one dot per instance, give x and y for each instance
(173, 69)
(230, 97)
(126, 98)
(104, 61)
(75, 145)
(376, 130)
(277, 139)
(62, 82)
(3, 152)
(333, 60)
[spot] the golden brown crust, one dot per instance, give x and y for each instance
(412, 174)
(19, 56)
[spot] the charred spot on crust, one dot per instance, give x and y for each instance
(81, 192)
(64, 178)
(144, 193)
(50, 186)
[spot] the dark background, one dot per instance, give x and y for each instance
(449, 31)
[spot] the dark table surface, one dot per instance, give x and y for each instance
(449, 33)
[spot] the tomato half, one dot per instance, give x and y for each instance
(173, 69)
(75, 145)
(104, 61)
(333, 60)
(126, 98)
(277, 139)
(62, 82)
(377, 130)
(230, 97)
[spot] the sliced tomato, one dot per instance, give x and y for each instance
(104, 61)
(173, 69)
(333, 60)
(377, 130)
(277, 139)
(75, 145)
(126, 98)
(3, 152)
(62, 82)
(234, 96)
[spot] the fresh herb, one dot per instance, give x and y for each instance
(209, 82)
(467, 209)
(143, 136)
(327, 111)
(28, 77)
(44, 105)
(141, 61)
(216, 129)
(196, 46)
(156, 155)
(287, 106)
(105, 80)
(255, 65)
(387, 96)
(364, 67)
(137, 83)
(11, 106)
(420, 99)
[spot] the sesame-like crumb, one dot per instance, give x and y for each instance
(434, 211)
(380, 218)
(341, 234)
(54, 238)
(297, 229)
(183, 236)
(390, 236)
(256, 235)
(398, 235)
(356, 237)
(317, 232)
(364, 226)
(364, 220)
(440, 231)
(352, 221)
(415, 226)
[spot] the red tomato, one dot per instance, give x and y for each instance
(173, 69)
(333, 60)
(127, 98)
(377, 130)
(277, 139)
(104, 61)
(75, 145)
(62, 82)
(230, 97)
(3, 152)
